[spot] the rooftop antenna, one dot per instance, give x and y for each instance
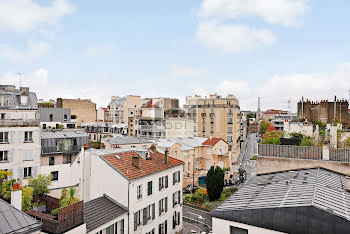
(20, 79)
(289, 109)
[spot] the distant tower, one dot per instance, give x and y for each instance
(258, 111)
(289, 109)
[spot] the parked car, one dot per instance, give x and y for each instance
(189, 189)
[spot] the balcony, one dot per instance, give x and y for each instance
(19, 122)
(60, 150)
(150, 127)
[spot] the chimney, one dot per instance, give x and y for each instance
(347, 186)
(9, 88)
(136, 162)
(16, 198)
(24, 88)
(166, 156)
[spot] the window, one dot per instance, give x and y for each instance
(203, 129)
(176, 219)
(211, 130)
(163, 182)
(44, 126)
(3, 156)
(221, 150)
(24, 100)
(163, 205)
(176, 177)
(189, 167)
(204, 120)
(229, 103)
(119, 224)
(229, 121)
(186, 154)
(110, 229)
(149, 188)
(229, 112)
(163, 227)
(54, 175)
(175, 154)
(137, 219)
(51, 161)
(27, 172)
(2, 115)
(139, 191)
(6, 100)
(51, 117)
(151, 232)
(212, 120)
(229, 139)
(65, 118)
(236, 230)
(99, 232)
(28, 136)
(68, 159)
(4, 137)
(229, 130)
(176, 198)
(149, 213)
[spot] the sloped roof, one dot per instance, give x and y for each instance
(15, 221)
(63, 134)
(187, 143)
(212, 141)
(128, 140)
(123, 163)
(100, 211)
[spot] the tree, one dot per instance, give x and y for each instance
(263, 126)
(64, 195)
(320, 123)
(6, 189)
(71, 197)
(27, 197)
(307, 141)
(215, 183)
(3, 175)
(347, 142)
(40, 184)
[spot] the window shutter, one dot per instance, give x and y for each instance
(160, 184)
(160, 207)
(35, 136)
(166, 181)
(20, 172)
(173, 199)
(179, 174)
(29, 154)
(178, 218)
(35, 171)
(135, 221)
(160, 229)
(11, 156)
(166, 204)
(21, 137)
(174, 175)
(179, 196)
(11, 177)
(144, 216)
(11, 137)
(166, 226)
(153, 211)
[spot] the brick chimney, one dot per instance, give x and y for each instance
(166, 156)
(136, 162)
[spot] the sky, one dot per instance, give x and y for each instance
(278, 50)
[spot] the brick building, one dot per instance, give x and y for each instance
(83, 109)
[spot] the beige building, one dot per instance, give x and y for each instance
(216, 116)
(119, 107)
(83, 109)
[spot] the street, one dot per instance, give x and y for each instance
(248, 152)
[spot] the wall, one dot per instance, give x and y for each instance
(273, 164)
(84, 109)
(106, 225)
(223, 227)
(179, 127)
(305, 129)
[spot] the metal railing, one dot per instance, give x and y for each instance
(50, 150)
(19, 122)
(340, 155)
(290, 151)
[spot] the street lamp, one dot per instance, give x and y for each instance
(193, 174)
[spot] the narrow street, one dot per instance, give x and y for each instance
(250, 150)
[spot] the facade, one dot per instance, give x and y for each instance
(216, 116)
(84, 110)
(102, 114)
(56, 118)
(324, 111)
(126, 142)
(270, 114)
(19, 132)
(99, 130)
(58, 150)
(149, 186)
(178, 127)
(298, 201)
(118, 108)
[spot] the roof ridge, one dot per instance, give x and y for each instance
(114, 201)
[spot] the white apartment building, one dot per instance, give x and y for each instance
(19, 132)
(147, 183)
(118, 108)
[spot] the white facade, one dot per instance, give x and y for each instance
(299, 127)
(20, 144)
(103, 228)
(222, 226)
(179, 127)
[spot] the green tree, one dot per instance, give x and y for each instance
(320, 123)
(40, 184)
(215, 183)
(64, 195)
(296, 135)
(27, 198)
(3, 175)
(307, 141)
(6, 189)
(263, 126)
(71, 197)
(347, 142)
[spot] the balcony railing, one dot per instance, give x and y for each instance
(51, 150)
(290, 151)
(19, 122)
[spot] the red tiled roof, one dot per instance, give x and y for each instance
(105, 108)
(275, 112)
(212, 141)
(147, 167)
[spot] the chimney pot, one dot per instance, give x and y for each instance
(166, 155)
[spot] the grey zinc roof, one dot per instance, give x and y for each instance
(15, 221)
(187, 143)
(128, 140)
(59, 134)
(316, 187)
(32, 99)
(100, 211)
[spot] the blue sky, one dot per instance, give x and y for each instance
(276, 49)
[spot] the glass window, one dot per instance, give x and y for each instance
(54, 175)
(4, 137)
(28, 136)
(3, 156)
(110, 229)
(27, 172)
(51, 161)
(149, 188)
(236, 230)
(139, 191)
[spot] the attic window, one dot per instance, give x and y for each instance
(24, 100)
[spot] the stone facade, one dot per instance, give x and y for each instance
(83, 109)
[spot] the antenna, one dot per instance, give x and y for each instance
(20, 79)
(258, 114)
(289, 109)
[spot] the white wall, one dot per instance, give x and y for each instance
(179, 127)
(290, 127)
(222, 226)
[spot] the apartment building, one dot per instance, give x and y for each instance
(216, 116)
(58, 150)
(19, 132)
(83, 110)
(99, 130)
(56, 118)
(118, 108)
(149, 186)
(102, 114)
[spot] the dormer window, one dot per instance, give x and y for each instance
(24, 99)
(6, 100)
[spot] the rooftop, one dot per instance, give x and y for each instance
(299, 193)
(128, 140)
(15, 221)
(122, 162)
(187, 143)
(14, 98)
(212, 141)
(105, 208)
(59, 134)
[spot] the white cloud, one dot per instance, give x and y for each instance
(238, 88)
(283, 12)
(26, 15)
(100, 51)
(183, 70)
(232, 38)
(34, 51)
